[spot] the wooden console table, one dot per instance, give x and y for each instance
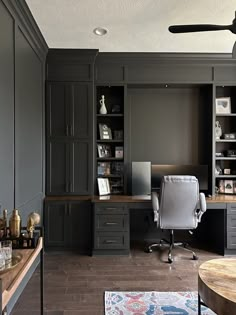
(216, 286)
(11, 280)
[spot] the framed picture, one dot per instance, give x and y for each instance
(104, 150)
(103, 186)
(228, 186)
(104, 168)
(223, 105)
(119, 152)
(105, 132)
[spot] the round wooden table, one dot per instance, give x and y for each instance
(217, 286)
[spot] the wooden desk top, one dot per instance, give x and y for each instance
(128, 198)
(217, 285)
(12, 278)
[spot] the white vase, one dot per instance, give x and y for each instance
(103, 109)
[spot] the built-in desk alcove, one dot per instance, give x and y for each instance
(170, 124)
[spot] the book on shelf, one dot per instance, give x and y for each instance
(104, 168)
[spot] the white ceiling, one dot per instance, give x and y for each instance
(134, 25)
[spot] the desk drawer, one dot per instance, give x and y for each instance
(110, 208)
(231, 208)
(231, 223)
(231, 240)
(105, 222)
(110, 240)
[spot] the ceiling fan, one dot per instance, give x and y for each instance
(205, 28)
(202, 27)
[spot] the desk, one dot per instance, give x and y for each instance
(112, 226)
(216, 285)
(12, 279)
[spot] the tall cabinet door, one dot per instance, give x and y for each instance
(80, 167)
(58, 167)
(79, 231)
(80, 110)
(54, 223)
(58, 118)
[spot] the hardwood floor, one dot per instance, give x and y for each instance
(75, 284)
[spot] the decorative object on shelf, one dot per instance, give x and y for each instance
(15, 224)
(219, 154)
(231, 153)
(229, 136)
(221, 186)
(234, 186)
(218, 130)
(118, 134)
(103, 109)
(117, 168)
(103, 186)
(227, 171)
(218, 170)
(104, 168)
(33, 219)
(105, 132)
(223, 105)
(104, 150)
(115, 109)
(228, 186)
(119, 152)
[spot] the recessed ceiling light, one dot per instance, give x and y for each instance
(100, 31)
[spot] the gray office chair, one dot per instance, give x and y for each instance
(181, 208)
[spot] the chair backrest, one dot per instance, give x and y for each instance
(179, 199)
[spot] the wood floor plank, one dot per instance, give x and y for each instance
(75, 284)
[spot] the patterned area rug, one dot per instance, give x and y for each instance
(153, 303)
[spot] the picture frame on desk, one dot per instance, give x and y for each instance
(103, 186)
(223, 105)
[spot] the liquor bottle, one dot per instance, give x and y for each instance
(5, 222)
(15, 224)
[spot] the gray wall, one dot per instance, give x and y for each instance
(22, 61)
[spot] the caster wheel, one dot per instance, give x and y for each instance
(195, 257)
(148, 250)
(170, 260)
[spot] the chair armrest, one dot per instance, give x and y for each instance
(202, 205)
(155, 206)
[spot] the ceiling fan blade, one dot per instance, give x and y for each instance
(198, 28)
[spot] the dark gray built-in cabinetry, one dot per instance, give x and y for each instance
(69, 133)
(69, 150)
(68, 225)
(111, 228)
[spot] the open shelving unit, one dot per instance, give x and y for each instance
(225, 165)
(110, 151)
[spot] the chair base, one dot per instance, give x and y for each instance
(171, 245)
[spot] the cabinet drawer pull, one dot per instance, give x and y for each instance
(111, 209)
(110, 223)
(110, 241)
(67, 187)
(67, 130)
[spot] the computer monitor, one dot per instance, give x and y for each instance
(200, 171)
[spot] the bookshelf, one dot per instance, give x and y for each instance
(110, 137)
